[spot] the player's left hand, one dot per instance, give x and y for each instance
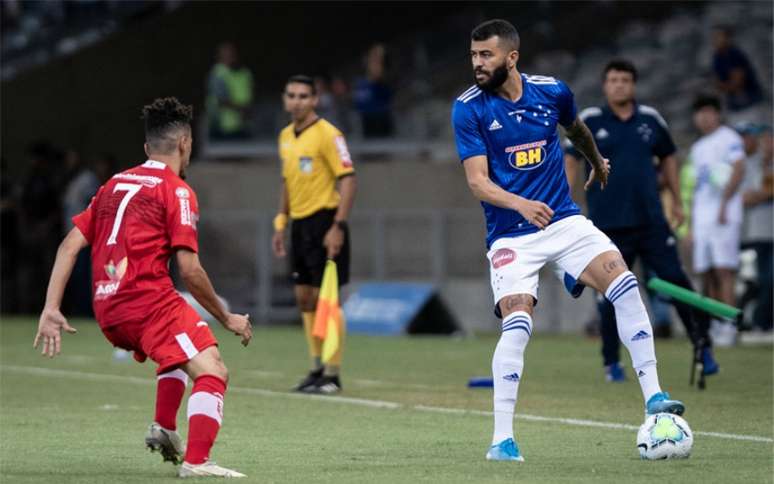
(52, 321)
(599, 175)
(333, 241)
(240, 325)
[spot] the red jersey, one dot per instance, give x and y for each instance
(133, 224)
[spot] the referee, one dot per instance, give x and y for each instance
(314, 158)
(629, 210)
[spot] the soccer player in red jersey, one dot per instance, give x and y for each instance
(135, 223)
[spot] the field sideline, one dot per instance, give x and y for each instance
(405, 415)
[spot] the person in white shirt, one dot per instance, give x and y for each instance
(718, 161)
(758, 228)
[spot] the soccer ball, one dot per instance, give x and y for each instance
(664, 436)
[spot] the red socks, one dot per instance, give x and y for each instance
(169, 393)
(205, 414)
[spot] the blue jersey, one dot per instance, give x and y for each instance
(522, 148)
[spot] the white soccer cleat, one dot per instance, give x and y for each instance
(206, 469)
(166, 442)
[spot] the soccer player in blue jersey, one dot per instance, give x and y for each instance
(505, 128)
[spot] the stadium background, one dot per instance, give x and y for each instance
(75, 76)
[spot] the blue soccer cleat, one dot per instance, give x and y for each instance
(662, 403)
(505, 450)
(615, 373)
(708, 364)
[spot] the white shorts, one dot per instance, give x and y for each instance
(571, 243)
(716, 246)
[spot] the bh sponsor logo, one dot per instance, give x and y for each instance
(503, 257)
(527, 156)
(105, 289)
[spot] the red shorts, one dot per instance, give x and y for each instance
(171, 338)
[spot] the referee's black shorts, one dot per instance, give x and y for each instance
(307, 253)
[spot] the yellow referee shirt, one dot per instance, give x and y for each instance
(312, 161)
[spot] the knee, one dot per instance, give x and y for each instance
(306, 303)
(208, 362)
(219, 369)
(516, 302)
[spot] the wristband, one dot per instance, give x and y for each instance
(280, 222)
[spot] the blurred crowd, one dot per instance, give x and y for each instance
(34, 32)
(36, 209)
(736, 79)
(361, 104)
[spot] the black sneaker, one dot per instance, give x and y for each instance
(309, 381)
(326, 385)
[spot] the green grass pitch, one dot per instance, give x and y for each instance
(81, 417)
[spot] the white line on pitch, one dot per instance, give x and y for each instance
(31, 370)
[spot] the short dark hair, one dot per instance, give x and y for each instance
(499, 27)
(706, 100)
(620, 65)
(303, 79)
(162, 117)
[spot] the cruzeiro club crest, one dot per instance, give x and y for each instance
(105, 289)
(527, 156)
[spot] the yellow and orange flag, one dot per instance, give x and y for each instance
(328, 320)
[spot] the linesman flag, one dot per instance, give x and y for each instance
(328, 319)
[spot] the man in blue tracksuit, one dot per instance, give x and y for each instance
(629, 210)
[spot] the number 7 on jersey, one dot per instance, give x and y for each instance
(131, 190)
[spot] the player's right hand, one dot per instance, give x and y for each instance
(52, 321)
(240, 325)
(535, 212)
(278, 244)
(600, 175)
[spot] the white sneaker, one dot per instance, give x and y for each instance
(723, 334)
(167, 442)
(206, 469)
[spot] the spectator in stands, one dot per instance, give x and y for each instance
(758, 232)
(39, 218)
(230, 96)
(327, 103)
(373, 96)
(629, 210)
(718, 161)
(9, 239)
(734, 74)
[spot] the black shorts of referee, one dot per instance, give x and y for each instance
(307, 253)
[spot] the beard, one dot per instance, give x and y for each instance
(496, 78)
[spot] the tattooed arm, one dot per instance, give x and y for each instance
(580, 136)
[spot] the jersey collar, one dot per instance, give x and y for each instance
(153, 164)
(524, 88)
(608, 112)
(298, 133)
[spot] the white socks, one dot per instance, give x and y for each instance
(507, 366)
(635, 330)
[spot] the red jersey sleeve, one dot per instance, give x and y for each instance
(182, 216)
(85, 220)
